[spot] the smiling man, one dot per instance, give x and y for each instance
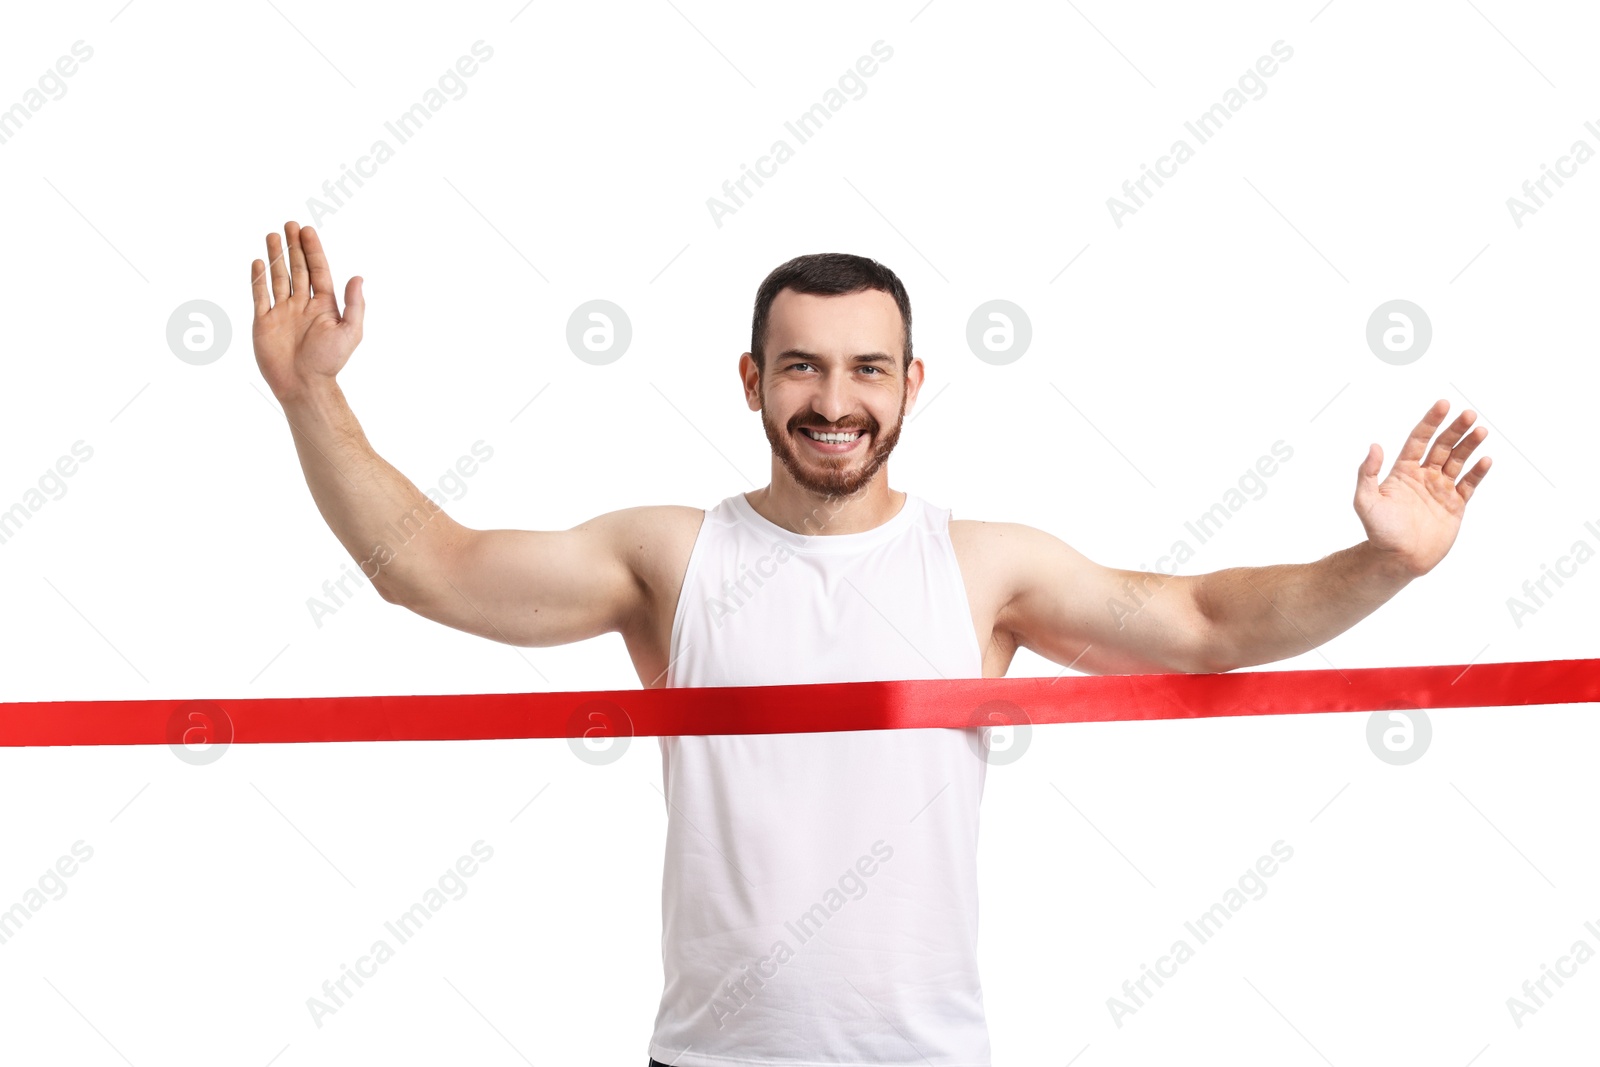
(819, 897)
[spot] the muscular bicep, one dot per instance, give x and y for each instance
(1096, 619)
(539, 588)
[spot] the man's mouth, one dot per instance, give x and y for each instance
(832, 441)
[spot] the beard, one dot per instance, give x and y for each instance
(832, 476)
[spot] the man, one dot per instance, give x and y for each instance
(819, 892)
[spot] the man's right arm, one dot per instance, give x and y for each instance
(521, 587)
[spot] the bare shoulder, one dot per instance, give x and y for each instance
(989, 554)
(656, 541)
(995, 548)
(669, 519)
(993, 538)
(1000, 559)
(978, 533)
(993, 557)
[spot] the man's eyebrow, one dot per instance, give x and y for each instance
(865, 357)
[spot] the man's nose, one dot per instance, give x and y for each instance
(832, 400)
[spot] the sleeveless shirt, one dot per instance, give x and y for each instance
(819, 891)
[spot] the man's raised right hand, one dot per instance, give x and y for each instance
(301, 340)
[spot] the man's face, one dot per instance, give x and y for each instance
(833, 365)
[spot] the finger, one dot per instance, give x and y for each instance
(1373, 463)
(1452, 436)
(1367, 473)
(1469, 485)
(316, 262)
(1417, 444)
(355, 306)
(1463, 451)
(258, 287)
(280, 269)
(298, 275)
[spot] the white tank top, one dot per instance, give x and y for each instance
(819, 897)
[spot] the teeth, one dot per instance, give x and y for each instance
(832, 438)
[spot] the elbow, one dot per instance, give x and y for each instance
(1211, 665)
(1211, 656)
(1210, 650)
(394, 589)
(391, 594)
(416, 579)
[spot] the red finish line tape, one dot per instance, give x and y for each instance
(767, 709)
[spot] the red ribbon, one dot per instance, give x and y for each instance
(768, 709)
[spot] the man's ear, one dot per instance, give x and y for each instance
(914, 375)
(750, 379)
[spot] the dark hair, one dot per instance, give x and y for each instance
(827, 274)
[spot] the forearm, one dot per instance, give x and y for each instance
(1261, 614)
(390, 528)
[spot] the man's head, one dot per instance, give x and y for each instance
(830, 350)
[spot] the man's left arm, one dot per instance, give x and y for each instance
(1256, 615)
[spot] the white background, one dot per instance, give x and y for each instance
(1228, 313)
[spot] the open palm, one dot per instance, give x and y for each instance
(1413, 515)
(299, 335)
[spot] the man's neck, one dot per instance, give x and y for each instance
(788, 505)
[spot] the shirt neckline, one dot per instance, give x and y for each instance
(825, 543)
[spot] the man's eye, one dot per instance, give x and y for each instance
(874, 370)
